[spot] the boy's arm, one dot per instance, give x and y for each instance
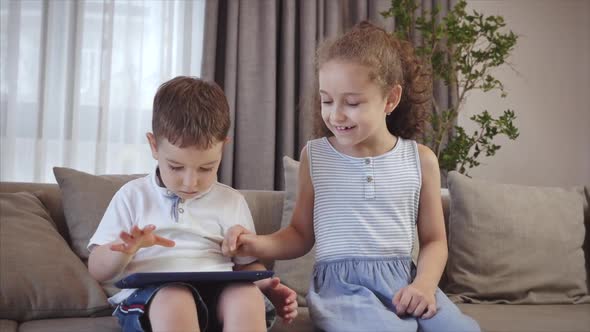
(105, 264)
(108, 260)
(290, 242)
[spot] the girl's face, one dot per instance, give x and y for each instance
(187, 171)
(353, 107)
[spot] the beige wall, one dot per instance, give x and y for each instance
(549, 91)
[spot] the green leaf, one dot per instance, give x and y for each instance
(465, 49)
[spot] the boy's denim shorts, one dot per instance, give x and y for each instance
(132, 312)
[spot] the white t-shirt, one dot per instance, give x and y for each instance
(198, 231)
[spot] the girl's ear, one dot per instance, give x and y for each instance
(153, 144)
(227, 140)
(393, 98)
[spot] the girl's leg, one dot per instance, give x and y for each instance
(173, 308)
(353, 309)
(241, 308)
(448, 318)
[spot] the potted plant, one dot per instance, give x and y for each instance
(461, 49)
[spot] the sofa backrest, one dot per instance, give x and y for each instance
(266, 206)
(49, 195)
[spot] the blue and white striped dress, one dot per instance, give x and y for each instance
(364, 207)
(365, 214)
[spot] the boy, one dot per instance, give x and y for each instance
(175, 219)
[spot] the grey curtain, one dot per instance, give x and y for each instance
(261, 53)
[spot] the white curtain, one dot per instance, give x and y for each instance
(78, 80)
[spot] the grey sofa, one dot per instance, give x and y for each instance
(266, 207)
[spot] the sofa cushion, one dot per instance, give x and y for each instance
(87, 324)
(301, 323)
(8, 325)
(515, 244)
(85, 198)
(529, 318)
(295, 273)
(40, 276)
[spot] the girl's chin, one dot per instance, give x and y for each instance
(345, 141)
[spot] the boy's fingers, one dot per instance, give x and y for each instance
(274, 282)
(164, 242)
(118, 247)
(126, 237)
(148, 229)
(135, 230)
(291, 307)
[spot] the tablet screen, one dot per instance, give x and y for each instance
(143, 279)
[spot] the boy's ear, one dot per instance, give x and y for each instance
(226, 141)
(393, 98)
(153, 144)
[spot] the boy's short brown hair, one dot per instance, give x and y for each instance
(189, 111)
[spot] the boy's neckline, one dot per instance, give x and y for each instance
(157, 179)
(345, 155)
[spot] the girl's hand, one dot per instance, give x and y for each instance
(282, 297)
(140, 238)
(238, 241)
(416, 301)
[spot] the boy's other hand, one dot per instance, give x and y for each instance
(282, 297)
(140, 238)
(237, 242)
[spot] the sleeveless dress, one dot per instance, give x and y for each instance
(365, 214)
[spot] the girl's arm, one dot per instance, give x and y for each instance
(290, 242)
(431, 226)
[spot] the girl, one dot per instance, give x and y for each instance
(363, 188)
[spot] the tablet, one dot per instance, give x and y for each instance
(137, 280)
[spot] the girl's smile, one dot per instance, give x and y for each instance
(344, 129)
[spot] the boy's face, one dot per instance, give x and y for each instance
(187, 171)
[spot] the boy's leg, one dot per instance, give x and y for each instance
(173, 308)
(241, 308)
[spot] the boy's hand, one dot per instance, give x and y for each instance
(282, 297)
(238, 242)
(415, 301)
(140, 238)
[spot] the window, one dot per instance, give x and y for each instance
(78, 80)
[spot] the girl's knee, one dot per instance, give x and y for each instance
(457, 322)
